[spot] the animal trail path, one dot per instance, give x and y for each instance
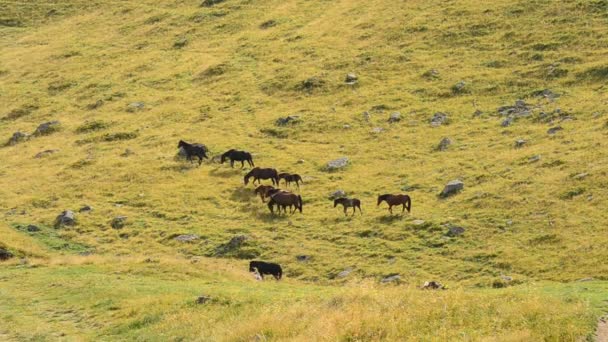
(601, 335)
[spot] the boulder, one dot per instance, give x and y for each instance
(66, 218)
(367, 116)
(337, 194)
(439, 119)
(391, 278)
(452, 188)
(4, 254)
(47, 128)
(187, 237)
(395, 117)
(32, 228)
(459, 87)
(288, 120)
(45, 153)
(444, 144)
(507, 122)
(118, 222)
(351, 78)
(17, 138)
(337, 164)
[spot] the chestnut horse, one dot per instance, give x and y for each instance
(258, 174)
(264, 191)
(392, 200)
(349, 203)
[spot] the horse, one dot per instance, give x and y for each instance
(349, 203)
(266, 268)
(284, 199)
(241, 156)
(198, 150)
(264, 190)
(258, 174)
(392, 200)
(288, 177)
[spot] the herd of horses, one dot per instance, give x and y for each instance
(279, 198)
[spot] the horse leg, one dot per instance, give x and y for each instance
(231, 163)
(390, 209)
(200, 160)
(242, 164)
(360, 209)
(345, 214)
(403, 210)
(354, 210)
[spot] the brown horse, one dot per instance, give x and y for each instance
(288, 177)
(392, 200)
(349, 203)
(264, 190)
(258, 173)
(284, 199)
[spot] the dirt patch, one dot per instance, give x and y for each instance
(601, 335)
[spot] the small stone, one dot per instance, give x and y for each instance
(459, 87)
(16, 138)
(337, 194)
(345, 273)
(580, 176)
(303, 258)
(47, 128)
(127, 152)
(85, 209)
(444, 144)
(455, 231)
(135, 106)
(32, 228)
(418, 222)
(118, 222)
(377, 130)
(4, 254)
(300, 161)
(203, 299)
(507, 122)
(439, 119)
(519, 143)
(346, 126)
(534, 158)
(367, 116)
(395, 117)
(351, 78)
(187, 237)
(452, 188)
(66, 218)
(391, 278)
(288, 120)
(554, 130)
(337, 164)
(45, 153)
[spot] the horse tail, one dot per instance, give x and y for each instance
(409, 204)
(300, 202)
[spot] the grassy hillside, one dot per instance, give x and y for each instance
(140, 76)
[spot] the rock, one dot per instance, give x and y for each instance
(337, 164)
(432, 285)
(507, 122)
(346, 126)
(85, 209)
(506, 278)
(444, 144)
(66, 218)
(4, 254)
(311, 84)
(235, 243)
(431, 74)
(32, 228)
(202, 299)
(118, 222)
(17, 138)
(454, 231)
(95, 105)
(268, 24)
(477, 113)
(180, 43)
(395, 117)
(367, 116)
(127, 152)
(554, 130)
(187, 237)
(452, 188)
(377, 130)
(209, 3)
(519, 143)
(288, 120)
(300, 161)
(351, 78)
(534, 158)
(439, 119)
(546, 93)
(520, 108)
(391, 278)
(345, 273)
(586, 279)
(337, 194)
(418, 222)
(303, 258)
(45, 153)
(135, 106)
(47, 128)
(580, 176)
(459, 87)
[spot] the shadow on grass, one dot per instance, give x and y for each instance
(391, 218)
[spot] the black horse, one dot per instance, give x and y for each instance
(258, 174)
(235, 155)
(266, 268)
(196, 150)
(288, 177)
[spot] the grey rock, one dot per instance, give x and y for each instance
(180, 43)
(351, 78)
(288, 120)
(45, 153)
(47, 128)
(337, 194)
(580, 176)
(135, 106)
(32, 228)
(303, 258)
(345, 273)
(17, 138)
(118, 222)
(187, 237)
(391, 278)
(127, 152)
(235, 243)
(395, 117)
(300, 161)
(444, 144)
(377, 130)
(519, 109)
(4, 254)
(432, 285)
(534, 158)
(418, 222)
(459, 87)
(452, 188)
(202, 299)
(85, 209)
(346, 126)
(519, 143)
(506, 278)
(337, 164)
(507, 122)
(439, 119)
(454, 231)
(66, 218)
(554, 130)
(546, 93)
(367, 116)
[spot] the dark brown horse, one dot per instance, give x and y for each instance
(193, 150)
(288, 177)
(284, 199)
(392, 200)
(258, 174)
(264, 191)
(234, 155)
(349, 203)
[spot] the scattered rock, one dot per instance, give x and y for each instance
(444, 144)
(118, 222)
(418, 222)
(135, 106)
(187, 237)
(85, 209)
(439, 119)
(288, 120)
(520, 108)
(17, 138)
(519, 143)
(127, 152)
(346, 126)
(377, 130)
(452, 188)
(432, 285)
(546, 93)
(459, 87)
(311, 84)
(4, 254)
(351, 78)
(209, 3)
(235, 243)
(431, 74)
(454, 231)
(66, 218)
(47, 128)
(367, 116)
(345, 273)
(506, 278)
(534, 158)
(554, 130)
(337, 194)
(180, 43)
(268, 24)
(45, 153)
(395, 117)
(391, 278)
(32, 228)
(337, 164)
(507, 122)
(580, 176)
(303, 258)
(202, 299)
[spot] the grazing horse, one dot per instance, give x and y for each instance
(258, 174)
(241, 156)
(284, 199)
(392, 200)
(288, 177)
(264, 191)
(198, 150)
(266, 268)
(349, 203)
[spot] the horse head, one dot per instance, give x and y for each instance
(181, 143)
(382, 198)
